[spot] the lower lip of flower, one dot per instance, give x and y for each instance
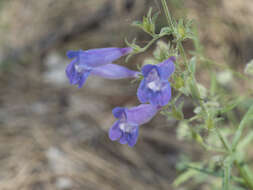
(154, 86)
(81, 68)
(78, 68)
(126, 127)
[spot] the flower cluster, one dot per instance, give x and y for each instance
(154, 90)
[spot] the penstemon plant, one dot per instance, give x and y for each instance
(213, 124)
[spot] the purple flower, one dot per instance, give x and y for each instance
(84, 62)
(126, 128)
(113, 71)
(155, 88)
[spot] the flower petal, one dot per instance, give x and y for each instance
(124, 138)
(161, 98)
(133, 137)
(101, 56)
(114, 132)
(142, 92)
(70, 69)
(76, 77)
(165, 95)
(83, 78)
(118, 111)
(166, 68)
(72, 53)
(154, 99)
(113, 71)
(141, 114)
(147, 68)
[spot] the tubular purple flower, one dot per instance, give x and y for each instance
(85, 61)
(155, 87)
(113, 71)
(126, 128)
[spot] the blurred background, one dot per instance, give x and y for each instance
(54, 135)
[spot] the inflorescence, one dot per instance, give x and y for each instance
(154, 91)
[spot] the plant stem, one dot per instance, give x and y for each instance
(244, 170)
(143, 49)
(181, 50)
(151, 42)
(213, 173)
(241, 127)
(245, 173)
(167, 13)
(223, 140)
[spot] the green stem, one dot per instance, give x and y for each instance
(227, 172)
(241, 127)
(167, 13)
(182, 52)
(213, 149)
(244, 170)
(245, 173)
(223, 140)
(177, 97)
(151, 42)
(215, 174)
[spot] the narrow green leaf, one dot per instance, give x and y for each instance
(223, 140)
(210, 123)
(205, 171)
(245, 141)
(184, 177)
(229, 106)
(149, 12)
(192, 65)
(247, 118)
(246, 174)
(155, 16)
(166, 30)
(177, 112)
(197, 137)
(194, 90)
(214, 173)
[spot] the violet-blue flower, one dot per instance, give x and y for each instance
(155, 87)
(126, 128)
(85, 61)
(113, 71)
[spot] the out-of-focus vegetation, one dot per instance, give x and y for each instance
(54, 136)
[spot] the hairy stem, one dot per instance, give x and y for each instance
(167, 13)
(243, 169)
